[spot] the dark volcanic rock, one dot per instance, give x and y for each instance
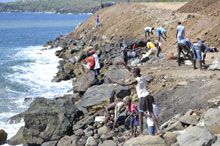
(68, 141)
(87, 80)
(3, 136)
(101, 93)
(47, 120)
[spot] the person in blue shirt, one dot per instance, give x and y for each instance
(180, 32)
(199, 47)
(161, 32)
(184, 47)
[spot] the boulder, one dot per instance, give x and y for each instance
(189, 119)
(174, 127)
(170, 138)
(81, 124)
(47, 120)
(107, 143)
(3, 136)
(81, 141)
(217, 142)
(91, 142)
(146, 141)
(50, 143)
(196, 136)
(215, 65)
(67, 141)
(211, 119)
(18, 138)
(118, 74)
(102, 130)
(99, 94)
(79, 132)
(86, 81)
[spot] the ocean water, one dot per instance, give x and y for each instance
(26, 70)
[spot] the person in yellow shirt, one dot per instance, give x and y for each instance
(152, 49)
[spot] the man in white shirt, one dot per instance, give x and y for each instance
(180, 32)
(148, 31)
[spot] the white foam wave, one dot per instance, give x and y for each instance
(39, 72)
(36, 73)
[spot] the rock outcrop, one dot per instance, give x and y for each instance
(47, 120)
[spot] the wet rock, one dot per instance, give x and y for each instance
(211, 119)
(91, 142)
(50, 143)
(3, 136)
(47, 120)
(18, 138)
(67, 141)
(102, 130)
(86, 81)
(196, 136)
(107, 143)
(146, 141)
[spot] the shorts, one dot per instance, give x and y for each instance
(197, 54)
(133, 121)
(142, 105)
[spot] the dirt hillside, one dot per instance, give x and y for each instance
(176, 89)
(129, 20)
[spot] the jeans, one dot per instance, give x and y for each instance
(197, 54)
(151, 130)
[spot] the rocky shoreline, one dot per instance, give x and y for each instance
(189, 102)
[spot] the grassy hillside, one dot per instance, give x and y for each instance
(62, 5)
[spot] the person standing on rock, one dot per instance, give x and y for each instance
(144, 104)
(161, 32)
(150, 123)
(97, 21)
(148, 31)
(132, 112)
(88, 62)
(97, 63)
(184, 45)
(180, 32)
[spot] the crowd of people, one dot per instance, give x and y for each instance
(146, 105)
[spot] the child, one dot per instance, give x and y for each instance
(143, 103)
(150, 123)
(132, 112)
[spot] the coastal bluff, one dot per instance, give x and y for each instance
(188, 99)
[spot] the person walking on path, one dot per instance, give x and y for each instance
(144, 104)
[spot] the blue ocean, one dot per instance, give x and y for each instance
(26, 70)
